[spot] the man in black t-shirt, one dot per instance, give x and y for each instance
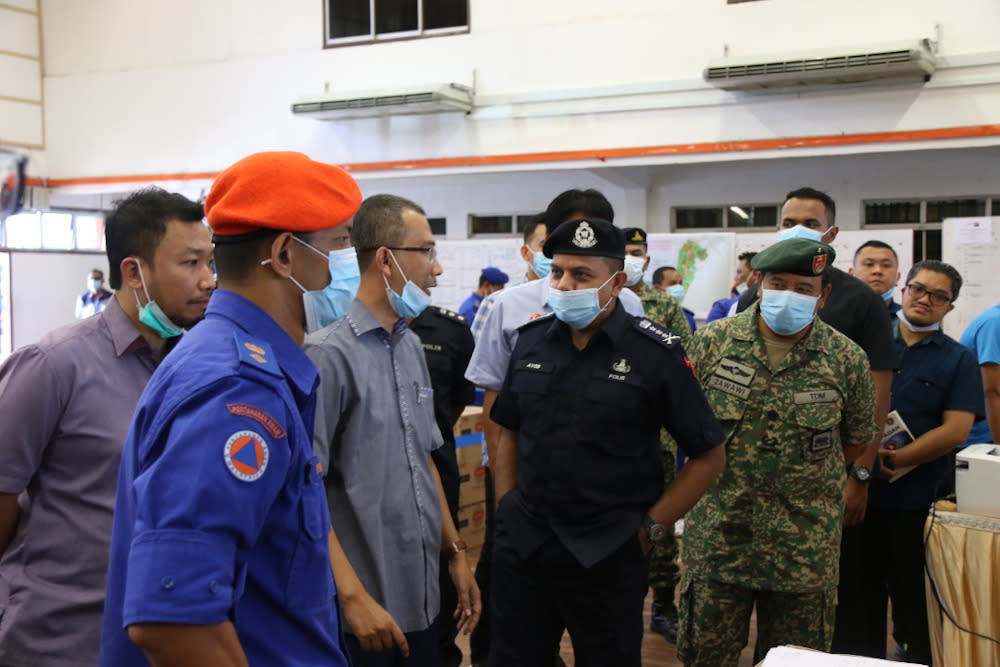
(857, 312)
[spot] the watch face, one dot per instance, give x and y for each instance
(862, 474)
(657, 533)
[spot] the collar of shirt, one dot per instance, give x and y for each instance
(936, 337)
(124, 335)
(613, 328)
(249, 317)
(745, 328)
(362, 321)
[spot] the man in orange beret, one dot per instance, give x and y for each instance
(219, 551)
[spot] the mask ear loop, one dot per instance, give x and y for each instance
(602, 287)
(290, 277)
(138, 265)
(399, 268)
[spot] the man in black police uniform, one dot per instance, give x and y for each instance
(579, 475)
(448, 346)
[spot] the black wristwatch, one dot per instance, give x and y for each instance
(861, 473)
(655, 532)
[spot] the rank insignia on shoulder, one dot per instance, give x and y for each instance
(256, 353)
(537, 318)
(663, 336)
(450, 314)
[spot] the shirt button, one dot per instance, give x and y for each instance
(213, 587)
(167, 583)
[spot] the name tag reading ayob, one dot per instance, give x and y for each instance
(535, 366)
(821, 396)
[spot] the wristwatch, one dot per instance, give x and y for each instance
(861, 473)
(455, 548)
(655, 532)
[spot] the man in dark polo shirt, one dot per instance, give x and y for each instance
(579, 476)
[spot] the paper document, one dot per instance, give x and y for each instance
(896, 436)
(973, 230)
(786, 656)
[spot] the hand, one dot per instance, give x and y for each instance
(892, 460)
(644, 542)
(375, 629)
(470, 605)
(856, 502)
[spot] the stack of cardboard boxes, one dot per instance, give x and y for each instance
(472, 477)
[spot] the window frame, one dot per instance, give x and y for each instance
(40, 245)
(375, 38)
(724, 210)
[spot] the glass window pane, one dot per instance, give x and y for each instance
(395, 16)
(445, 14)
(764, 216)
(57, 231)
(348, 18)
(938, 210)
(89, 232)
(932, 244)
(439, 226)
(892, 212)
(748, 215)
(697, 218)
(24, 230)
(491, 224)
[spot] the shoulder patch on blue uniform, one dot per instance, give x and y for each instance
(664, 337)
(255, 353)
(537, 318)
(450, 314)
(246, 455)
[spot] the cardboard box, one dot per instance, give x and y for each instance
(471, 421)
(472, 486)
(472, 524)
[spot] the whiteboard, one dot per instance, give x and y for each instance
(463, 261)
(972, 245)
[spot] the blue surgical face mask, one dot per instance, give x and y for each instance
(152, 315)
(888, 294)
(541, 265)
(94, 284)
(800, 232)
(676, 291)
(633, 269)
(412, 301)
(325, 306)
(579, 307)
(787, 312)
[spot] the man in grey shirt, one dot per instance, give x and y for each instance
(67, 403)
(375, 430)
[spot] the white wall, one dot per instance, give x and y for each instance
(192, 85)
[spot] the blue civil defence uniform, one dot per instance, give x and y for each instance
(221, 513)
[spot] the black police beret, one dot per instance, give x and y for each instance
(597, 238)
(799, 256)
(635, 235)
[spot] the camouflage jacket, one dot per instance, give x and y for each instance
(663, 309)
(772, 521)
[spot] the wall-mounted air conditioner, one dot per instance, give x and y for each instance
(414, 100)
(911, 60)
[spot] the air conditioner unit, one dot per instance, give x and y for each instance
(416, 100)
(896, 61)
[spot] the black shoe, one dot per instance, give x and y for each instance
(664, 621)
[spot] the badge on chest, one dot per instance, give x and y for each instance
(732, 377)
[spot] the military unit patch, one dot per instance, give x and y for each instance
(258, 415)
(246, 455)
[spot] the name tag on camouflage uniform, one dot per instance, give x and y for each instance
(821, 396)
(732, 378)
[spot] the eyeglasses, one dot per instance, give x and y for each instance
(430, 251)
(918, 291)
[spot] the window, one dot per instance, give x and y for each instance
(89, 232)
(507, 225)
(926, 244)
(892, 212)
(53, 230)
(353, 21)
(439, 226)
(938, 210)
(727, 216)
(57, 231)
(23, 230)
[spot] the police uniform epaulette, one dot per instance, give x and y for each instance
(255, 353)
(664, 337)
(450, 314)
(548, 317)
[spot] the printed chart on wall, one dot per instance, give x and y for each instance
(706, 262)
(972, 245)
(5, 323)
(462, 262)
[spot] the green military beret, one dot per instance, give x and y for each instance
(799, 256)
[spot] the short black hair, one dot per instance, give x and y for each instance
(98, 271)
(137, 224)
(658, 274)
(876, 244)
(379, 222)
(591, 203)
(529, 229)
(938, 267)
(819, 195)
(746, 256)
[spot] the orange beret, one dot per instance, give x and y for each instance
(280, 190)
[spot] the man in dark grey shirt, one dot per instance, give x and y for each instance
(375, 431)
(67, 403)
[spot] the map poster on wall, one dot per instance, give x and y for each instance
(5, 323)
(707, 263)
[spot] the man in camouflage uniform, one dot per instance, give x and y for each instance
(795, 398)
(663, 309)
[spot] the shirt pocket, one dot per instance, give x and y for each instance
(607, 405)
(926, 394)
(819, 427)
(310, 581)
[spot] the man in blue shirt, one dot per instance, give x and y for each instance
(744, 280)
(937, 393)
(219, 549)
(983, 338)
(491, 280)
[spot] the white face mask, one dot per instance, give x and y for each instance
(633, 269)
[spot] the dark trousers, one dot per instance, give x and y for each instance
(479, 641)
(423, 651)
(856, 628)
(534, 598)
(894, 553)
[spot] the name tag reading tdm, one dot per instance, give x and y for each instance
(819, 396)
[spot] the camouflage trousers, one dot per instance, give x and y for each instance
(714, 620)
(664, 573)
